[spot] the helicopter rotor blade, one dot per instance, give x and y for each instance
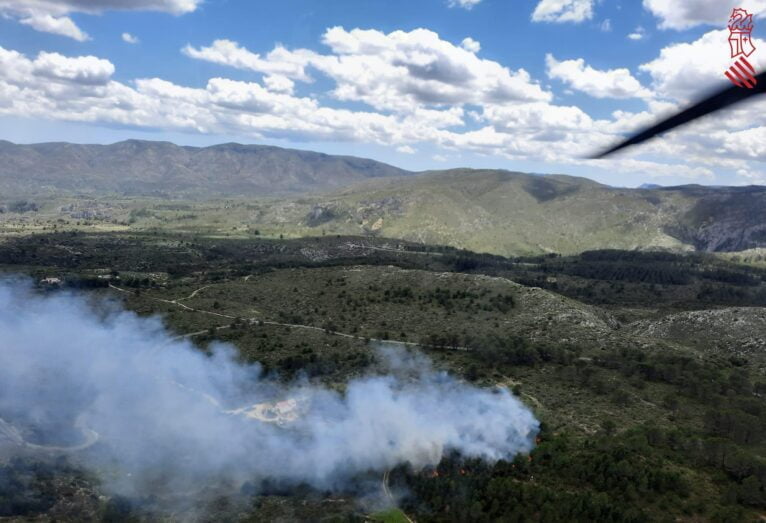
(715, 102)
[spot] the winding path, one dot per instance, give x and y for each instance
(11, 433)
(387, 493)
(258, 321)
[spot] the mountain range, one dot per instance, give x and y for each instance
(146, 168)
(310, 193)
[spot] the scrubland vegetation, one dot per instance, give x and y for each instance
(640, 422)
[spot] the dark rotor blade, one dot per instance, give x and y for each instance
(721, 99)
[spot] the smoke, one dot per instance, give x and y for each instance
(117, 392)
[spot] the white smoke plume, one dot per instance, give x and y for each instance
(140, 408)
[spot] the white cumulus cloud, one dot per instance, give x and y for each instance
(87, 70)
(612, 83)
(279, 83)
(129, 38)
(290, 64)
(683, 70)
(563, 11)
(47, 23)
(469, 44)
(683, 14)
(639, 33)
(396, 71)
(50, 16)
(465, 4)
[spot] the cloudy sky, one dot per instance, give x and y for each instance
(531, 85)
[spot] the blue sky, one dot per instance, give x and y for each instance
(530, 85)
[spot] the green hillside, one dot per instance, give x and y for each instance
(238, 190)
(513, 213)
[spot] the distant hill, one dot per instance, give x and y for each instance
(136, 167)
(511, 213)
